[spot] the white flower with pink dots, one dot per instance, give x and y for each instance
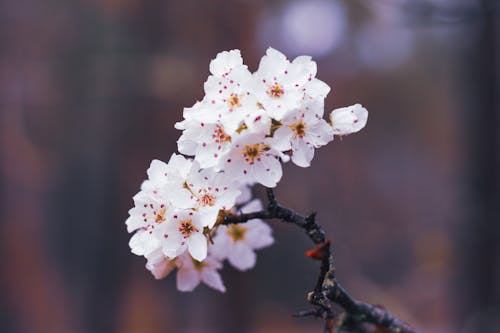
(278, 84)
(348, 120)
(302, 131)
(147, 215)
(207, 192)
(207, 142)
(253, 159)
(184, 232)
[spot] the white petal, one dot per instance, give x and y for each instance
(208, 216)
(186, 146)
(171, 243)
(157, 172)
(134, 223)
(268, 172)
(273, 62)
(349, 119)
(317, 89)
(181, 198)
(143, 243)
(320, 133)
(212, 279)
(242, 257)
(303, 153)
(225, 61)
(180, 164)
(281, 138)
(187, 279)
(308, 63)
(197, 246)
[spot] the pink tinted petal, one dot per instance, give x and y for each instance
(259, 235)
(242, 257)
(159, 265)
(221, 246)
(187, 279)
(253, 206)
(212, 279)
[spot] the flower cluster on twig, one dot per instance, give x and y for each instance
(190, 211)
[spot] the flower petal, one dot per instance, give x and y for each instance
(242, 257)
(303, 153)
(197, 246)
(212, 279)
(187, 279)
(347, 120)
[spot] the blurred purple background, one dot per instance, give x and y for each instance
(90, 91)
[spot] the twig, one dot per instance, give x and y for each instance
(327, 290)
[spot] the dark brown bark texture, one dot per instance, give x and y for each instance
(355, 315)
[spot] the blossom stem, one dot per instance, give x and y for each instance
(327, 291)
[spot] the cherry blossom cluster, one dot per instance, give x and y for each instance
(244, 128)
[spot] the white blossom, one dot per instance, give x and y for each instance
(237, 242)
(279, 84)
(302, 131)
(207, 142)
(184, 232)
(207, 192)
(253, 159)
(191, 272)
(147, 215)
(348, 120)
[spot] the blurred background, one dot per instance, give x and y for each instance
(90, 91)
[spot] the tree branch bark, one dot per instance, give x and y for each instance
(327, 291)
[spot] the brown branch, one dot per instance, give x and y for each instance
(327, 290)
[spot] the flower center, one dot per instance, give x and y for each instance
(220, 135)
(206, 199)
(275, 91)
(299, 128)
(186, 228)
(237, 232)
(253, 152)
(234, 101)
(160, 216)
